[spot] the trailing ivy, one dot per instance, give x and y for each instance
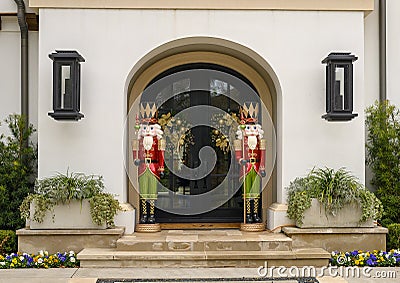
(103, 208)
(334, 190)
(298, 199)
(383, 156)
(17, 170)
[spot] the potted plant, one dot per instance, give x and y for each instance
(70, 201)
(329, 198)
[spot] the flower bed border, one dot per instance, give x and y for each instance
(40, 260)
(366, 258)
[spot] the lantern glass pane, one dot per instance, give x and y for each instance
(339, 88)
(66, 87)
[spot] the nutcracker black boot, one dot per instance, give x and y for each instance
(143, 218)
(151, 219)
(249, 219)
(256, 218)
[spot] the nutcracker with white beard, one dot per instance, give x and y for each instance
(148, 155)
(250, 153)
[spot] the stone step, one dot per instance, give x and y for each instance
(95, 257)
(216, 240)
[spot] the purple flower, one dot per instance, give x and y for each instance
(373, 257)
(354, 253)
(370, 262)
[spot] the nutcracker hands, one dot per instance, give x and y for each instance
(243, 162)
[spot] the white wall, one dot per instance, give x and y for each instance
(10, 66)
(393, 49)
(372, 56)
(112, 41)
(371, 41)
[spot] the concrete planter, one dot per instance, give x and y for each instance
(74, 215)
(349, 216)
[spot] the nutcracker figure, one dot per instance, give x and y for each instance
(250, 153)
(148, 155)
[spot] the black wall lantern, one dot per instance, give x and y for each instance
(339, 87)
(66, 85)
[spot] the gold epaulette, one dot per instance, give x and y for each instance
(237, 144)
(263, 144)
(135, 144)
(161, 144)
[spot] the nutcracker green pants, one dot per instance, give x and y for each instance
(252, 183)
(148, 185)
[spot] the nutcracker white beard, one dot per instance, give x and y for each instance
(252, 142)
(147, 142)
(250, 130)
(153, 130)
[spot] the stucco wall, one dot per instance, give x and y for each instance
(10, 66)
(392, 50)
(393, 47)
(112, 41)
(371, 40)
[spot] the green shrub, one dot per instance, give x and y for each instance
(17, 170)
(393, 238)
(333, 189)
(383, 156)
(8, 242)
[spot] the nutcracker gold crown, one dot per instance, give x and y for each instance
(148, 112)
(249, 112)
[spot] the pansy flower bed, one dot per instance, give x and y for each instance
(366, 258)
(41, 260)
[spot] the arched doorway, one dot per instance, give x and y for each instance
(191, 85)
(216, 61)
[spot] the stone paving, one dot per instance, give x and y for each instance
(208, 275)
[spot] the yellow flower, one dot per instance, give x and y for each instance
(14, 260)
(357, 262)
